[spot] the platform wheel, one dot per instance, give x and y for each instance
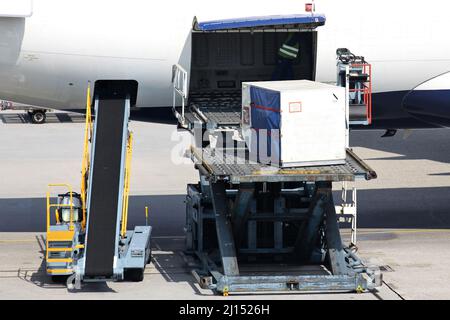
(134, 275)
(59, 279)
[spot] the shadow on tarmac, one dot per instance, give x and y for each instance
(162, 115)
(52, 117)
(422, 208)
(431, 144)
(392, 208)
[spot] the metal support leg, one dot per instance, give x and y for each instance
(242, 210)
(74, 282)
(224, 230)
(252, 231)
(307, 239)
(279, 204)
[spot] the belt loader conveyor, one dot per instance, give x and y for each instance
(96, 244)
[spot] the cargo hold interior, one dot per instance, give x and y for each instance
(221, 61)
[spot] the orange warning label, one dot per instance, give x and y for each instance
(295, 107)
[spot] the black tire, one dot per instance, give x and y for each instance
(134, 275)
(149, 259)
(38, 117)
(59, 279)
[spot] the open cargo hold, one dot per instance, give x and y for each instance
(227, 53)
(224, 60)
(295, 123)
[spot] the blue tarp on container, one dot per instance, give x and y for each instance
(266, 122)
(308, 20)
(265, 108)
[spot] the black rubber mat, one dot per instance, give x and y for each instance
(358, 112)
(105, 188)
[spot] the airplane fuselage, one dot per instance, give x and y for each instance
(47, 58)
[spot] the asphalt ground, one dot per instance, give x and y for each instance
(403, 216)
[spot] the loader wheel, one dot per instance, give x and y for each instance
(134, 275)
(38, 117)
(59, 279)
(149, 259)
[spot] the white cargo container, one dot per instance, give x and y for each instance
(295, 123)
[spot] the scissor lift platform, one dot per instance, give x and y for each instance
(242, 215)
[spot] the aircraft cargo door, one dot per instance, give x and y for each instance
(226, 53)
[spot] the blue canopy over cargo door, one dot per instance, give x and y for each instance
(292, 21)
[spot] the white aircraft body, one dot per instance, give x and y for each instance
(50, 49)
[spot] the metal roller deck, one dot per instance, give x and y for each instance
(214, 109)
(223, 165)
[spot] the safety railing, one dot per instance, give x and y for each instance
(366, 90)
(348, 211)
(59, 206)
(126, 193)
(86, 159)
(180, 89)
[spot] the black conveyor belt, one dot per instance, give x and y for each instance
(104, 188)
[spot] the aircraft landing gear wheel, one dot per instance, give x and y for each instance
(38, 117)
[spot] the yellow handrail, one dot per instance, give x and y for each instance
(126, 193)
(50, 205)
(86, 161)
(48, 211)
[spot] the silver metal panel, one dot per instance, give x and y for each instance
(238, 169)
